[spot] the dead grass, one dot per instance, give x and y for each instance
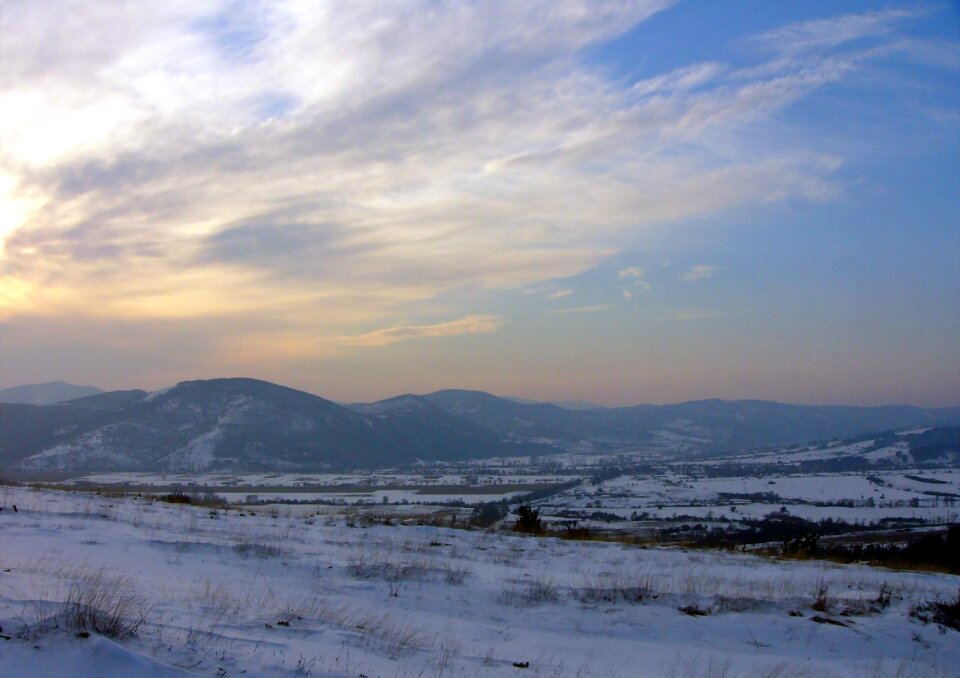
(256, 550)
(106, 604)
(821, 602)
(523, 593)
(946, 613)
(609, 588)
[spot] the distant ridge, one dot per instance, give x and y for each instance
(565, 404)
(250, 425)
(45, 394)
(233, 424)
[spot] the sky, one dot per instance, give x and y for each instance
(620, 202)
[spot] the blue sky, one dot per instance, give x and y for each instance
(616, 201)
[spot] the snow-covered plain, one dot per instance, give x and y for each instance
(340, 488)
(290, 593)
(931, 496)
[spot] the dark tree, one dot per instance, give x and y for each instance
(528, 519)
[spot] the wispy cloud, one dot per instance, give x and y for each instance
(698, 272)
(635, 278)
(818, 34)
(679, 80)
(632, 273)
(335, 164)
(471, 324)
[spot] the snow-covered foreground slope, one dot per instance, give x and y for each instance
(226, 593)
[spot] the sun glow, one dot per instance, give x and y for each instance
(15, 207)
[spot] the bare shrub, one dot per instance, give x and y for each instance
(821, 602)
(884, 596)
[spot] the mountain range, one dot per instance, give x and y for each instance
(252, 425)
(45, 394)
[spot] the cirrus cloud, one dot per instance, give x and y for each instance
(323, 166)
(580, 309)
(698, 272)
(471, 324)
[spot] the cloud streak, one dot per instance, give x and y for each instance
(581, 309)
(471, 324)
(635, 278)
(698, 272)
(818, 34)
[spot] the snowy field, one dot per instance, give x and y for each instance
(254, 480)
(337, 488)
(932, 496)
(220, 593)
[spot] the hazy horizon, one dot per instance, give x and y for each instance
(617, 202)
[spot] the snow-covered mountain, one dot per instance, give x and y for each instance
(251, 425)
(230, 424)
(696, 426)
(919, 447)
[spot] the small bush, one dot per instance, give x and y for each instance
(528, 519)
(822, 601)
(177, 497)
(884, 596)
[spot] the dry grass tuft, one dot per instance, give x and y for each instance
(103, 603)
